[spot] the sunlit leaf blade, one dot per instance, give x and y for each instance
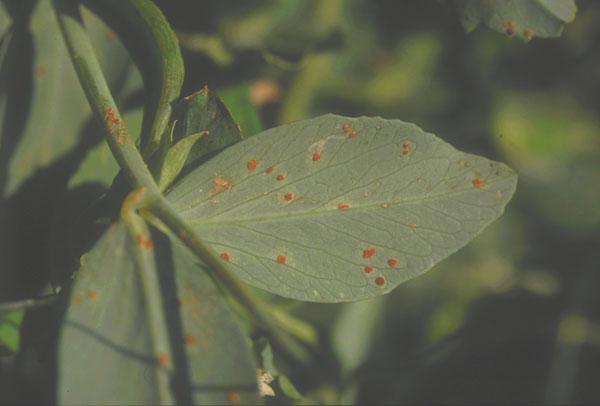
(339, 209)
(105, 351)
(523, 18)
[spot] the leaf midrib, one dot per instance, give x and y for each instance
(198, 224)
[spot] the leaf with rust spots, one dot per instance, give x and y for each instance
(416, 208)
(523, 18)
(105, 332)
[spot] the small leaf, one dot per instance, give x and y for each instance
(10, 327)
(105, 352)
(204, 111)
(383, 203)
(523, 18)
(175, 159)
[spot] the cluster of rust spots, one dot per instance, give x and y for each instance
(281, 177)
(143, 242)
(281, 259)
(316, 156)
(163, 359)
(510, 28)
(220, 185)
(225, 256)
(41, 70)
(252, 164)
(343, 206)
(369, 253)
(347, 128)
(270, 169)
(115, 125)
(233, 396)
(190, 340)
(289, 196)
(380, 281)
(406, 147)
(478, 183)
(368, 269)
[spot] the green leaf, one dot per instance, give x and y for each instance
(523, 18)
(331, 196)
(10, 326)
(175, 159)
(204, 111)
(105, 352)
(48, 109)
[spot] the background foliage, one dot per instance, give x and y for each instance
(513, 317)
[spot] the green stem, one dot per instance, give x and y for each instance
(146, 267)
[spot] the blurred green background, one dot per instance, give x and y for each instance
(512, 318)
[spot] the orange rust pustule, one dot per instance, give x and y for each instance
(281, 177)
(148, 244)
(289, 196)
(221, 185)
(281, 259)
(163, 359)
(406, 147)
(369, 253)
(252, 164)
(115, 125)
(392, 262)
(316, 156)
(225, 256)
(91, 295)
(233, 396)
(343, 206)
(380, 281)
(190, 340)
(478, 183)
(368, 269)
(510, 28)
(270, 169)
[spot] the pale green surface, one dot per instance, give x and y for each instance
(10, 326)
(105, 352)
(545, 18)
(418, 208)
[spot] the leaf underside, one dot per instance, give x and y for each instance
(105, 351)
(338, 209)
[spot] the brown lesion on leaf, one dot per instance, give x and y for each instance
(349, 131)
(220, 185)
(233, 397)
(41, 70)
(406, 148)
(510, 28)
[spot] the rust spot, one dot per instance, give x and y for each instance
(163, 359)
(368, 269)
(380, 281)
(139, 239)
(347, 128)
(281, 259)
(270, 169)
(528, 33)
(406, 147)
(369, 253)
(41, 70)
(479, 183)
(510, 28)
(92, 295)
(343, 206)
(190, 340)
(221, 185)
(115, 125)
(289, 196)
(233, 396)
(281, 176)
(353, 133)
(148, 244)
(392, 262)
(225, 256)
(252, 164)
(316, 156)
